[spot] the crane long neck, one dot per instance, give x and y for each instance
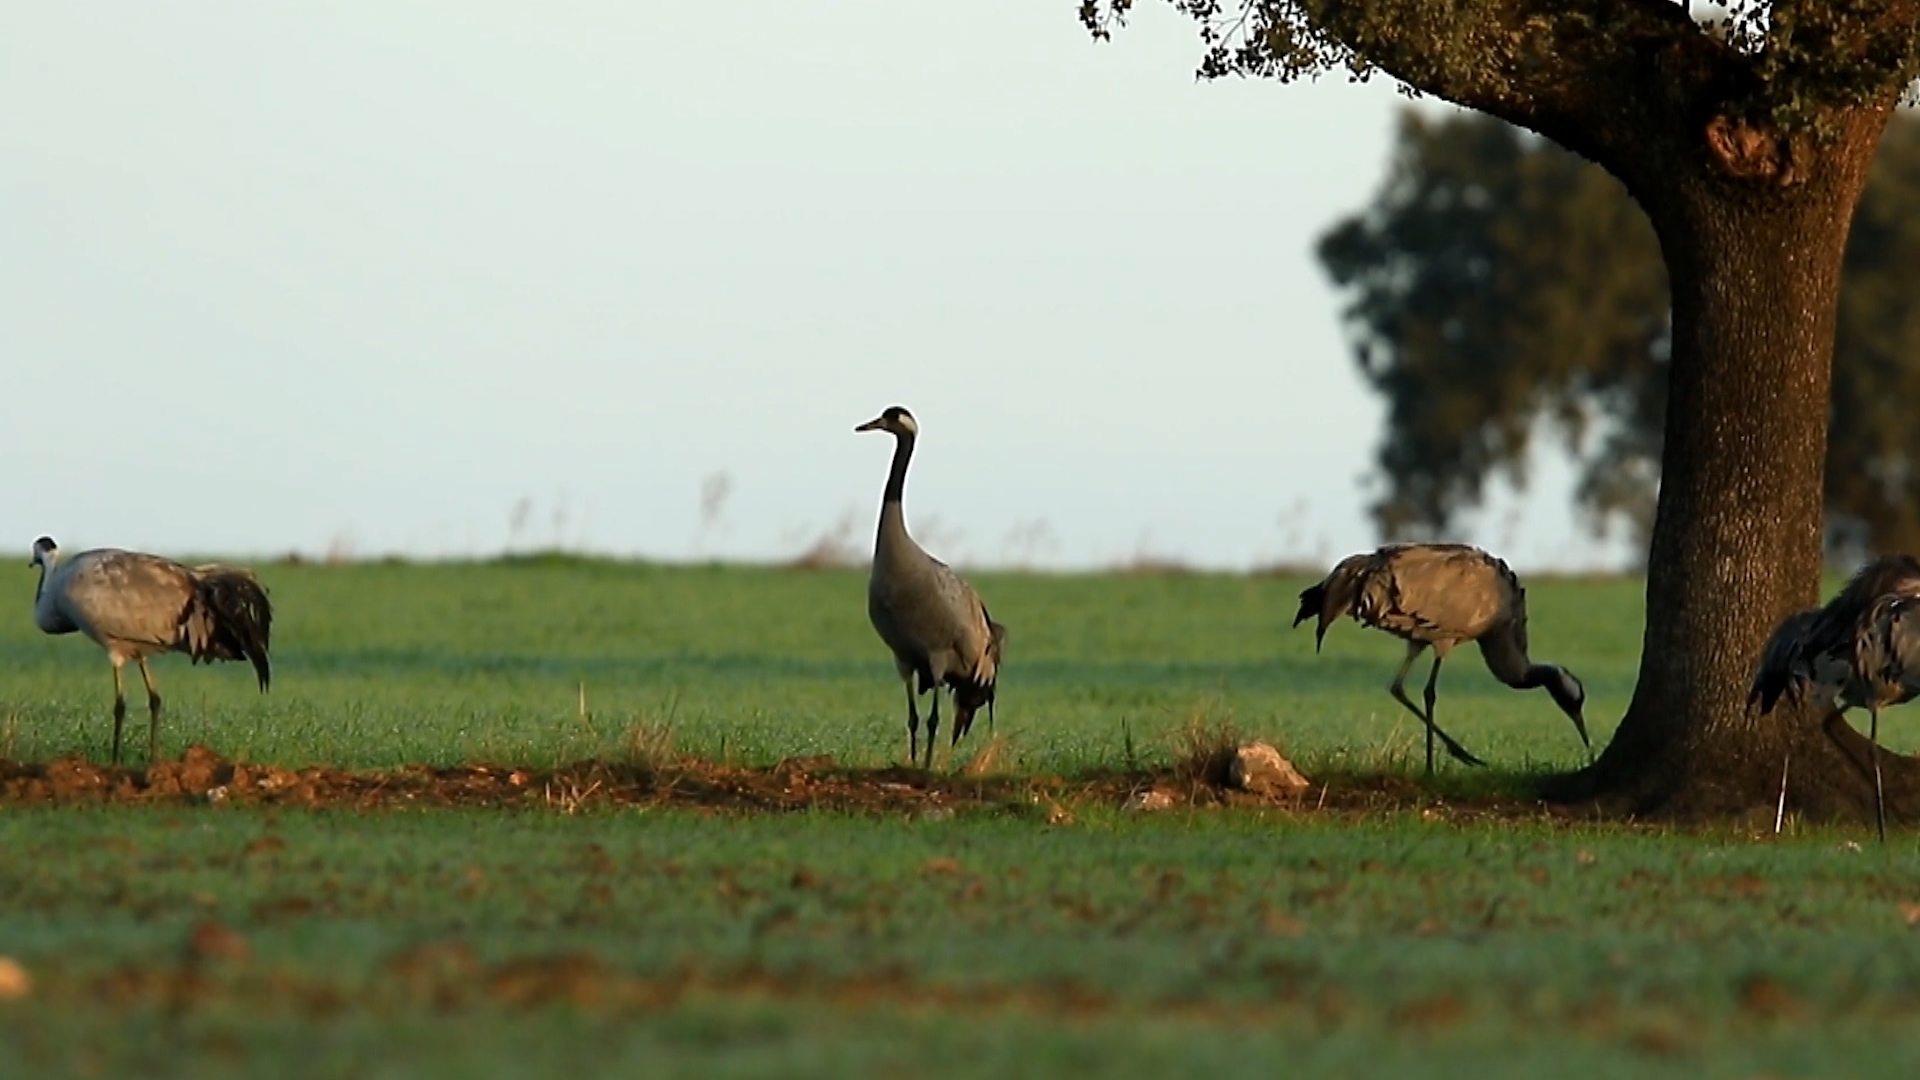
(897, 477)
(46, 607)
(891, 540)
(1509, 662)
(1536, 675)
(47, 562)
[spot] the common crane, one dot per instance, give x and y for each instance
(1438, 596)
(1862, 650)
(936, 625)
(135, 606)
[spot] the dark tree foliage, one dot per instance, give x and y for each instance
(1746, 139)
(1873, 447)
(1496, 280)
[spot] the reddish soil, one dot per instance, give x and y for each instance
(201, 776)
(448, 977)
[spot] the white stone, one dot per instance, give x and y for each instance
(1260, 769)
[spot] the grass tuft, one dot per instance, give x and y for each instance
(1203, 751)
(648, 746)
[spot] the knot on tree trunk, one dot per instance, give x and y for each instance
(1745, 150)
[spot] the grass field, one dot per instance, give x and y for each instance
(1415, 941)
(379, 665)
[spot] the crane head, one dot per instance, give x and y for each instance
(45, 551)
(896, 419)
(1572, 699)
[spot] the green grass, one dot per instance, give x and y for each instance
(814, 945)
(1218, 943)
(382, 664)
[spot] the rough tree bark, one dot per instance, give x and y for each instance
(1749, 160)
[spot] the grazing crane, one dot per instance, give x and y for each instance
(136, 606)
(936, 625)
(1438, 596)
(1860, 651)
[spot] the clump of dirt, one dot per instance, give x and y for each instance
(202, 776)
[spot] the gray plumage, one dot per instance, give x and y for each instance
(136, 606)
(1862, 650)
(935, 624)
(1437, 596)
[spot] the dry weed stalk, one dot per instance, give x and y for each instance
(569, 796)
(989, 757)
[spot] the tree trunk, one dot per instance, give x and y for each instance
(1755, 268)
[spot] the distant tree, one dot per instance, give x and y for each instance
(1873, 447)
(1746, 143)
(1496, 280)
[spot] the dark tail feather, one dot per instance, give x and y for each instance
(1779, 661)
(230, 619)
(1768, 686)
(996, 640)
(968, 698)
(1310, 600)
(970, 695)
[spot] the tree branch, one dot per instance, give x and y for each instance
(1565, 69)
(1599, 77)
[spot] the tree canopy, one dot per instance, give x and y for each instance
(1496, 280)
(1771, 64)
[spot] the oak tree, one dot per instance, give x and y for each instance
(1746, 143)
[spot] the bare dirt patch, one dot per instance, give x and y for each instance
(202, 776)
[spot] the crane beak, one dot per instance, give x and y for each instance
(878, 423)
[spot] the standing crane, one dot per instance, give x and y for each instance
(135, 606)
(936, 625)
(1862, 650)
(1437, 596)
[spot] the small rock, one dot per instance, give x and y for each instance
(1260, 769)
(1150, 799)
(15, 983)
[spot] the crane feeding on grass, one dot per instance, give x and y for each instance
(1862, 650)
(935, 624)
(136, 606)
(1438, 596)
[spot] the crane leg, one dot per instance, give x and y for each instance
(119, 706)
(913, 723)
(1399, 692)
(153, 713)
(1459, 752)
(933, 725)
(1879, 792)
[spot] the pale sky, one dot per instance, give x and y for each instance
(283, 276)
